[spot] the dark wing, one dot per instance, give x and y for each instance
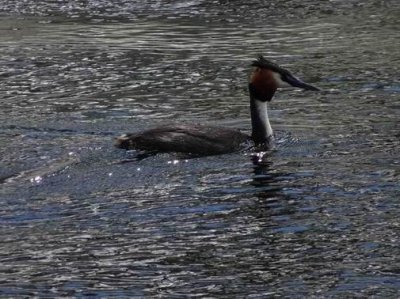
(193, 139)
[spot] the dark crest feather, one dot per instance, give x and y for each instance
(263, 63)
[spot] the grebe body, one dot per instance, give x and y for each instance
(202, 140)
(192, 139)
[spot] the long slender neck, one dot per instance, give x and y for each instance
(261, 128)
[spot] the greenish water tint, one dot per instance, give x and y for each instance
(316, 217)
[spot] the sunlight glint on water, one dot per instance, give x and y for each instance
(315, 217)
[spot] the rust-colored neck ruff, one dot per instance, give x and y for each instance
(263, 84)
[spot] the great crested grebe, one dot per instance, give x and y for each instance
(203, 140)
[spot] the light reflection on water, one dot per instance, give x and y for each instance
(315, 217)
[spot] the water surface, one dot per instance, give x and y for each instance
(318, 216)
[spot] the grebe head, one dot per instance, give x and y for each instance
(268, 76)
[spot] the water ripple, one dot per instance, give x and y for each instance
(315, 217)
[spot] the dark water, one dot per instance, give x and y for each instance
(318, 217)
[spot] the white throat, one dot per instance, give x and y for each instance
(261, 128)
(262, 111)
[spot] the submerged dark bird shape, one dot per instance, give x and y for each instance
(201, 140)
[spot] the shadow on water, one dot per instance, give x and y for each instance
(272, 190)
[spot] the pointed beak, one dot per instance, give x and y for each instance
(292, 80)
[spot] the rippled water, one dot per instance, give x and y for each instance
(318, 217)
